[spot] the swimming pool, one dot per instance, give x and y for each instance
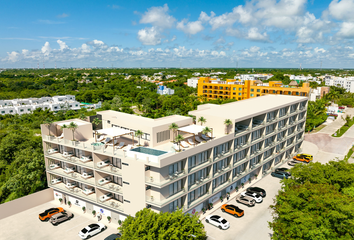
(148, 151)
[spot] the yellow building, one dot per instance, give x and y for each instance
(239, 90)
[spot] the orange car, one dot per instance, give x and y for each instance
(233, 210)
(47, 214)
(303, 157)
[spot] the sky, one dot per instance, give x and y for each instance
(187, 34)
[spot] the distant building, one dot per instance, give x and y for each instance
(22, 106)
(192, 82)
(318, 93)
(302, 78)
(346, 82)
(163, 90)
(244, 77)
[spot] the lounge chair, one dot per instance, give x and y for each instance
(106, 140)
(113, 143)
(101, 138)
(206, 138)
(184, 144)
(128, 148)
(61, 136)
(197, 138)
(190, 141)
(121, 144)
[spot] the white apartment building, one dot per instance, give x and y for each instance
(302, 78)
(346, 82)
(163, 90)
(119, 178)
(22, 106)
(192, 82)
(244, 77)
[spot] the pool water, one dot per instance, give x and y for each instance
(148, 151)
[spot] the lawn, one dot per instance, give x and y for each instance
(344, 128)
(317, 129)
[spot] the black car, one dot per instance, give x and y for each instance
(280, 174)
(286, 170)
(258, 190)
(114, 236)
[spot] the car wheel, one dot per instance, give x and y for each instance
(235, 215)
(220, 227)
(206, 220)
(222, 210)
(102, 229)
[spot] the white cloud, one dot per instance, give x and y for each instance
(346, 30)
(190, 28)
(12, 57)
(64, 15)
(158, 17)
(254, 49)
(85, 48)
(46, 49)
(255, 35)
(342, 10)
(62, 45)
(317, 50)
(149, 36)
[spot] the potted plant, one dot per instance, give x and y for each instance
(255, 176)
(94, 213)
(183, 189)
(249, 180)
(221, 198)
(211, 205)
(60, 200)
(83, 209)
(236, 188)
(120, 222)
(203, 210)
(242, 184)
(151, 179)
(109, 219)
(69, 203)
(152, 198)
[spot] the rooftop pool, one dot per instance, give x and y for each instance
(148, 151)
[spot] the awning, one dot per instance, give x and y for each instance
(193, 129)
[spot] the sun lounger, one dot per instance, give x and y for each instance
(111, 144)
(54, 166)
(88, 191)
(107, 140)
(69, 170)
(86, 175)
(197, 138)
(206, 138)
(70, 185)
(101, 138)
(103, 163)
(56, 180)
(190, 141)
(106, 197)
(184, 144)
(105, 180)
(128, 148)
(85, 159)
(121, 144)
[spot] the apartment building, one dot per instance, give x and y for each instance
(344, 82)
(27, 105)
(116, 177)
(257, 76)
(240, 90)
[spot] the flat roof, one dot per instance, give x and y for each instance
(144, 120)
(247, 107)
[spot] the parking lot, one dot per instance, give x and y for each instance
(254, 223)
(26, 225)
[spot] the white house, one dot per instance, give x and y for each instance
(192, 82)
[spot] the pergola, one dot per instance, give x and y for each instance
(193, 129)
(115, 132)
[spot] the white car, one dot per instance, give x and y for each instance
(258, 198)
(217, 221)
(91, 230)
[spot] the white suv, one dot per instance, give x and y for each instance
(253, 195)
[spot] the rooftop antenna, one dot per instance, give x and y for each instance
(321, 66)
(38, 65)
(55, 65)
(300, 66)
(43, 66)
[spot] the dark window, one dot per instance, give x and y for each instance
(126, 183)
(126, 201)
(223, 221)
(125, 164)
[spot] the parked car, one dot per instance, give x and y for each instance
(303, 157)
(294, 162)
(60, 217)
(217, 221)
(47, 214)
(281, 174)
(245, 200)
(286, 170)
(91, 230)
(258, 190)
(233, 210)
(114, 236)
(253, 195)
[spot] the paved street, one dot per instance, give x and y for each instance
(26, 225)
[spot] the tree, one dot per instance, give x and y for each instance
(206, 130)
(48, 122)
(179, 138)
(96, 121)
(201, 120)
(315, 203)
(82, 116)
(174, 128)
(138, 134)
(73, 126)
(227, 123)
(148, 224)
(116, 103)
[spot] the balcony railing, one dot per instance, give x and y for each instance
(112, 187)
(166, 180)
(198, 200)
(160, 203)
(75, 176)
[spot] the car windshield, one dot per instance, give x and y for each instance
(84, 230)
(93, 225)
(223, 221)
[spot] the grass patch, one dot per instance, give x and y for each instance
(319, 128)
(344, 128)
(349, 154)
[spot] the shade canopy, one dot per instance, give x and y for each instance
(193, 129)
(114, 132)
(258, 82)
(293, 83)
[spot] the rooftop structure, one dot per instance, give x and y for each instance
(118, 173)
(240, 90)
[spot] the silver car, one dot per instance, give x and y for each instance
(61, 217)
(245, 200)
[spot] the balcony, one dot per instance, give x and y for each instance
(240, 174)
(222, 170)
(160, 203)
(75, 176)
(199, 183)
(166, 180)
(222, 186)
(200, 166)
(69, 159)
(112, 187)
(109, 169)
(241, 129)
(73, 191)
(257, 124)
(113, 204)
(198, 200)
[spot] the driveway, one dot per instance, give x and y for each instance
(338, 123)
(26, 225)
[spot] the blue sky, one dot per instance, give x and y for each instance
(266, 33)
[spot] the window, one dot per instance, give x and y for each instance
(252, 90)
(239, 94)
(220, 165)
(282, 112)
(197, 193)
(234, 93)
(256, 134)
(21, 110)
(174, 205)
(198, 176)
(239, 156)
(163, 136)
(197, 159)
(11, 111)
(2, 111)
(220, 180)
(240, 89)
(258, 90)
(176, 167)
(270, 116)
(239, 98)
(234, 88)
(29, 109)
(221, 87)
(255, 148)
(252, 94)
(221, 149)
(175, 187)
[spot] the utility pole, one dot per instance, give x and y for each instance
(321, 66)
(300, 66)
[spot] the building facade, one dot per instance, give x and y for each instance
(192, 82)
(22, 106)
(318, 93)
(240, 90)
(347, 82)
(118, 178)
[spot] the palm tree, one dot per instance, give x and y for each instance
(227, 123)
(82, 116)
(206, 130)
(96, 122)
(174, 128)
(48, 122)
(73, 126)
(178, 139)
(138, 134)
(201, 120)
